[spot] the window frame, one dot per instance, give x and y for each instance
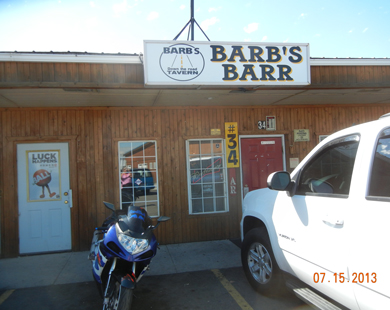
(146, 168)
(350, 138)
(224, 169)
(380, 136)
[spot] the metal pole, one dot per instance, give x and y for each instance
(192, 21)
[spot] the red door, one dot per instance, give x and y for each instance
(260, 157)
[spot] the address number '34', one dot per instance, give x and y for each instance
(231, 135)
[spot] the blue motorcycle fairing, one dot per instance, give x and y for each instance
(99, 264)
(113, 248)
(97, 278)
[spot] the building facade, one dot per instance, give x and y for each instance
(71, 122)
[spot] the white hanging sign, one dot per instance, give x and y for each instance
(222, 63)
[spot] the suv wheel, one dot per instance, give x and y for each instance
(259, 263)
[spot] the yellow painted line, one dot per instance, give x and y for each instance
(232, 291)
(5, 295)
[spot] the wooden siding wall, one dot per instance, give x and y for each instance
(36, 74)
(89, 75)
(93, 134)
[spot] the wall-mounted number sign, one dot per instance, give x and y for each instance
(232, 155)
(268, 124)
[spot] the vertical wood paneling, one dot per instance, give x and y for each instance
(315, 75)
(90, 167)
(35, 70)
(96, 73)
(60, 72)
(2, 72)
(72, 72)
(11, 72)
(95, 165)
(164, 173)
(120, 73)
(48, 72)
(82, 180)
(99, 166)
(3, 232)
(9, 224)
(107, 156)
(53, 123)
(84, 72)
(116, 124)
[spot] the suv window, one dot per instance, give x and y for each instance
(330, 171)
(380, 172)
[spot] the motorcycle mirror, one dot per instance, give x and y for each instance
(109, 206)
(161, 219)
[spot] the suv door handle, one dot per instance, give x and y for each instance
(333, 221)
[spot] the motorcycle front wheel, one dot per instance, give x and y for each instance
(121, 298)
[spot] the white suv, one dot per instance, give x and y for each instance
(325, 229)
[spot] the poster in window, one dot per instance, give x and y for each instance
(43, 175)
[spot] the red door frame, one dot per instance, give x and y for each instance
(259, 137)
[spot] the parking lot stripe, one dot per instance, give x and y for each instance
(232, 291)
(5, 295)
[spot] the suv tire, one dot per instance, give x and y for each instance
(259, 263)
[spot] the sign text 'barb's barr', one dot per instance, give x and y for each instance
(216, 63)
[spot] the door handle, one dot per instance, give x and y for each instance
(69, 201)
(332, 221)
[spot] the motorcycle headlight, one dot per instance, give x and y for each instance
(133, 245)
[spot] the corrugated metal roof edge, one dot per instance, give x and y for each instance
(119, 58)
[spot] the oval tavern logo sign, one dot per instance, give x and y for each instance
(182, 62)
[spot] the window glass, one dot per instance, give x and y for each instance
(330, 171)
(380, 172)
(138, 176)
(206, 174)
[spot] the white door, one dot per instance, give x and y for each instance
(44, 197)
(313, 229)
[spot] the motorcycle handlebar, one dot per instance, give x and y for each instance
(101, 228)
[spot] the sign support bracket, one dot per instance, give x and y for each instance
(191, 22)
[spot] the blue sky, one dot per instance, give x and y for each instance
(342, 28)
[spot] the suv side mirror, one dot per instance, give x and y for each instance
(279, 181)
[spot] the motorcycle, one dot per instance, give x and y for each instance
(122, 256)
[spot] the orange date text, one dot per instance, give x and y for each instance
(357, 277)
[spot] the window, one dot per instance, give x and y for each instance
(380, 172)
(206, 171)
(138, 176)
(330, 171)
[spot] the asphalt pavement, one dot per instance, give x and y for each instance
(200, 275)
(74, 267)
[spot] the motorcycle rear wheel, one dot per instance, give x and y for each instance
(121, 298)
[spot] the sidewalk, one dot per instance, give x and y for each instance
(73, 267)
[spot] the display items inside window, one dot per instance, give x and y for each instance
(138, 177)
(206, 176)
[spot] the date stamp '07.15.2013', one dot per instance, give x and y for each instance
(319, 277)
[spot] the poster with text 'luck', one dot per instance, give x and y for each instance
(43, 175)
